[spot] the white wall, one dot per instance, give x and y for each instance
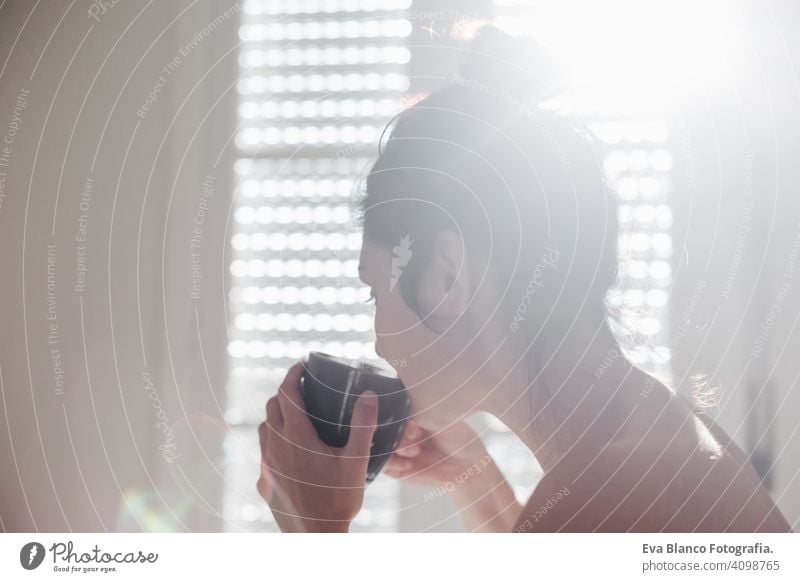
(70, 454)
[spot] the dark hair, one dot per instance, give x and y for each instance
(514, 179)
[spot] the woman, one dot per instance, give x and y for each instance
(489, 243)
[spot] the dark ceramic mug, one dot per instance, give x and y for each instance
(330, 387)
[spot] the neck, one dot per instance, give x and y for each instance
(581, 397)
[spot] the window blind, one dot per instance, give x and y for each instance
(319, 80)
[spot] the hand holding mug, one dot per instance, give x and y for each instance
(309, 485)
(429, 458)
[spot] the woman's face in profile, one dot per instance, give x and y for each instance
(429, 356)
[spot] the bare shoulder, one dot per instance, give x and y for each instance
(652, 487)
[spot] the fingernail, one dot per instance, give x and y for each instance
(410, 451)
(370, 399)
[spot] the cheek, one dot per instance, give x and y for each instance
(396, 329)
(405, 343)
(388, 334)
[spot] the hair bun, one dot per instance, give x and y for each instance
(517, 65)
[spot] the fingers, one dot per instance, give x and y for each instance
(397, 464)
(399, 467)
(409, 450)
(412, 441)
(292, 409)
(265, 431)
(363, 425)
(274, 415)
(264, 483)
(274, 422)
(412, 433)
(412, 430)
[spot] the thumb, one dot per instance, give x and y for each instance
(363, 425)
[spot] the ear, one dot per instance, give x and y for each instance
(445, 287)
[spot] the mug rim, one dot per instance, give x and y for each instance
(361, 367)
